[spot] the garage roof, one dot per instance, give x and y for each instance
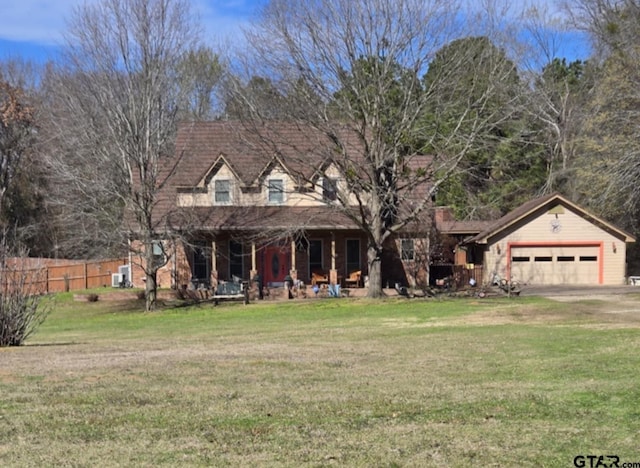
(539, 205)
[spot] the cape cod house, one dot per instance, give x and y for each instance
(246, 208)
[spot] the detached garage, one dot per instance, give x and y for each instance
(551, 240)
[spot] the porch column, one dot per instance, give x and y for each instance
(333, 273)
(214, 264)
(293, 272)
(254, 267)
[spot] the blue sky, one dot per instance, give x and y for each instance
(32, 29)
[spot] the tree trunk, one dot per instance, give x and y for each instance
(151, 272)
(374, 261)
(151, 290)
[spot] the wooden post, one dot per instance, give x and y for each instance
(214, 264)
(333, 253)
(333, 274)
(253, 256)
(293, 271)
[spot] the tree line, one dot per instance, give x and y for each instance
(86, 140)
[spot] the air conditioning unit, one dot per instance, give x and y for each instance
(116, 279)
(125, 273)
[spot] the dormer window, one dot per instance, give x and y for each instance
(222, 193)
(329, 189)
(275, 191)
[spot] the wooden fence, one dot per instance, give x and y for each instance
(51, 276)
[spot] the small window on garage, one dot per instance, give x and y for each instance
(543, 259)
(519, 259)
(566, 259)
(588, 258)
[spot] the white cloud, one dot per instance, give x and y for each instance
(43, 21)
(35, 21)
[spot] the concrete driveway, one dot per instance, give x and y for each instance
(581, 292)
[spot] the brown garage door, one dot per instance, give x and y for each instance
(555, 264)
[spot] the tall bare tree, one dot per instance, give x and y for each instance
(119, 108)
(362, 63)
(613, 107)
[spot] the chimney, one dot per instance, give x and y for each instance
(443, 214)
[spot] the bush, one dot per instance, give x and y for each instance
(20, 315)
(92, 298)
(22, 307)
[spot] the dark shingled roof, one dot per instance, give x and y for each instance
(250, 152)
(263, 218)
(463, 227)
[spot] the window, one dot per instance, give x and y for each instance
(520, 259)
(315, 255)
(276, 191)
(353, 255)
(566, 259)
(407, 251)
(329, 189)
(201, 264)
(158, 254)
(235, 259)
(589, 258)
(222, 191)
(543, 259)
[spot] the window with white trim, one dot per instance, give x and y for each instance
(407, 249)
(222, 189)
(275, 189)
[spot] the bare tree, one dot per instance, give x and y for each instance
(121, 101)
(361, 62)
(611, 140)
(554, 97)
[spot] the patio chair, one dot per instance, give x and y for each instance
(319, 277)
(353, 280)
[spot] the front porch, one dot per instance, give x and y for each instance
(323, 258)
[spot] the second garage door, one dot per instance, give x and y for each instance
(555, 264)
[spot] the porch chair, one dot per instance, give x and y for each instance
(353, 279)
(319, 277)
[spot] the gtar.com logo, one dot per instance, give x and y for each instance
(597, 461)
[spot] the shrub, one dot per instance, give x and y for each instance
(92, 298)
(22, 306)
(22, 310)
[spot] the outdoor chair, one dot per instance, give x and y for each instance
(353, 279)
(319, 277)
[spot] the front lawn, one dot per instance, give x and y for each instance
(464, 382)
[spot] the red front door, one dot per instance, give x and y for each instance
(276, 264)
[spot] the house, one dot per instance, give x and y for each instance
(244, 207)
(551, 241)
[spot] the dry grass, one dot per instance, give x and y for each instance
(328, 383)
